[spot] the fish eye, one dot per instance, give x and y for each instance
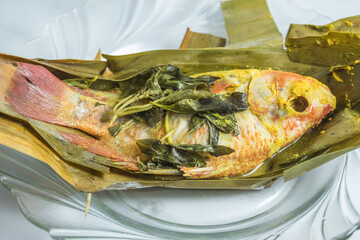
(299, 104)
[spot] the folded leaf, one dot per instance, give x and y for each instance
(192, 101)
(201, 40)
(337, 43)
(168, 155)
(193, 61)
(196, 122)
(226, 123)
(249, 24)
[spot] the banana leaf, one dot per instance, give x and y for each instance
(250, 24)
(206, 60)
(201, 40)
(337, 43)
(65, 67)
(330, 139)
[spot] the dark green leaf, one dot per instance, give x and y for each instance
(82, 83)
(166, 155)
(213, 150)
(196, 122)
(142, 167)
(104, 85)
(192, 101)
(226, 123)
(107, 116)
(214, 134)
(152, 88)
(114, 130)
(135, 83)
(171, 77)
(98, 104)
(151, 117)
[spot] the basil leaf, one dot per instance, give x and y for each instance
(151, 117)
(114, 130)
(171, 77)
(167, 155)
(196, 122)
(214, 134)
(218, 150)
(226, 123)
(193, 101)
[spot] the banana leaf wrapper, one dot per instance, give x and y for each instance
(249, 24)
(201, 40)
(331, 138)
(90, 172)
(337, 43)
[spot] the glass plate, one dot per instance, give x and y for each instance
(322, 204)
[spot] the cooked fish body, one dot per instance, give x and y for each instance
(282, 107)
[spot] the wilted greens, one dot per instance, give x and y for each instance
(167, 89)
(169, 155)
(224, 122)
(165, 84)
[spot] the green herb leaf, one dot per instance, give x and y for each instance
(214, 134)
(82, 83)
(216, 151)
(104, 85)
(151, 117)
(192, 101)
(114, 130)
(171, 77)
(152, 89)
(107, 116)
(196, 122)
(142, 167)
(164, 155)
(226, 123)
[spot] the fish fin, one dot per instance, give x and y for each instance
(100, 148)
(36, 93)
(197, 173)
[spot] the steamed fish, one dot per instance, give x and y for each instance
(211, 125)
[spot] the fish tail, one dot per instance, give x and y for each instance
(214, 169)
(36, 93)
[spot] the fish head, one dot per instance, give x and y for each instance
(294, 102)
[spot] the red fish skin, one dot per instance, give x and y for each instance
(35, 93)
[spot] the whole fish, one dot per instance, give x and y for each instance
(282, 107)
